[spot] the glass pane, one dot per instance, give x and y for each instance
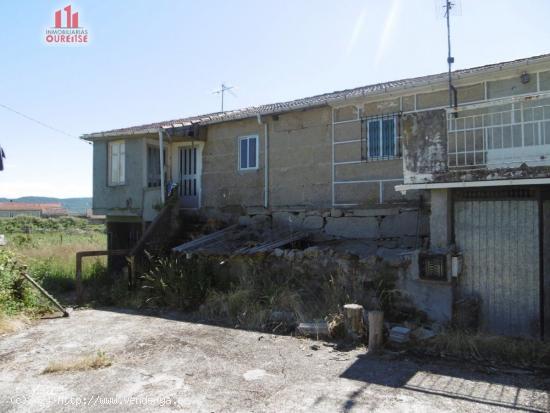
(244, 153)
(546, 132)
(452, 142)
(529, 134)
(374, 138)
(114, 162)
(478, 139)
(469, 140)
(452, 160)
(516, 136)
(252, 152)
(388, 137)
(122, 165)
(479, 158)
(507, 137)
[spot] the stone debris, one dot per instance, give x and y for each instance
(399, 334)
(422, 333)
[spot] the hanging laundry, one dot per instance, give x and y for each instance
(2, 157)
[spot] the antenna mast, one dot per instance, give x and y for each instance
(224, 88)
(453, 102)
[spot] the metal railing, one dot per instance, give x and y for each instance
(472, 138)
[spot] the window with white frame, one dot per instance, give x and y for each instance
(380, 138)
(248, 152)
(117, 163)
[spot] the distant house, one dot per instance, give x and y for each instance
(13, 209)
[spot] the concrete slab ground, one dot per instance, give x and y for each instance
(161, 364)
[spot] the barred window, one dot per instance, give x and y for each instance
(380, 138)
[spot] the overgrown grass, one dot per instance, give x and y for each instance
(51, 258)
(16, 295)
(29, 224)
(497, 349)
(247, 291)
(96, 361)
(48, 247)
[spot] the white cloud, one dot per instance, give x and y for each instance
(389, 24)
(357, 28)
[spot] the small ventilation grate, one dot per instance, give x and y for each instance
(433, 267)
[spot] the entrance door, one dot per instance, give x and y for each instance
(188, 175)
(499, 240)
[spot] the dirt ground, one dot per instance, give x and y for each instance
(164, 364)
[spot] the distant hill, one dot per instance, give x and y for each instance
(73, 205)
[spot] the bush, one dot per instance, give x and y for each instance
(26, 224)
(178, 282)
(248, 290)
(16, 295)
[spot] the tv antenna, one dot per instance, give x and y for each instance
(224, 88)
(451, 7)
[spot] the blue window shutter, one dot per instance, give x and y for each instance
(388, 137)
(244, 153)
(374, 138)
(252, 152)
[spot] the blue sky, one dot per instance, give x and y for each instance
(156, 60)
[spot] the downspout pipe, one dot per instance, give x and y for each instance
(266, 160)
(161, 150)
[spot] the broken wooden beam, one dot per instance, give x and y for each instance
(44, 292)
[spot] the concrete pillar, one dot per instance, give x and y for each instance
(440, 218)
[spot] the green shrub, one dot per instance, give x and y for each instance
(177, 282)
(16, 294)
(28, 224)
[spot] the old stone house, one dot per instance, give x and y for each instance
(462, 189)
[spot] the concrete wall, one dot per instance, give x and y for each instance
(300, 159)
(424, 145)
(299, 162)
(223, 184)
(359, 182)
(435, 298)
(394, 226)
(122, 200)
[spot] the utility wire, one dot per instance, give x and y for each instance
(38, 122)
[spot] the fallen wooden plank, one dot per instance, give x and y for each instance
(204, 240)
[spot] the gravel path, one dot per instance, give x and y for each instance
(161, 364)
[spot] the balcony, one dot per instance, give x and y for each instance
(502, 135)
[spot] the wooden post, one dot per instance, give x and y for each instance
(78, 275)
(353, 318)
(78, 278)
(376, 325)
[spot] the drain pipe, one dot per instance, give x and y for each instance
(266, 160)
(161, 150)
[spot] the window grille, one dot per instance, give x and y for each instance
(380, 137)
(433, 267)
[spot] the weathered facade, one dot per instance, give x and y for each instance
(368, 163)
(486, 166)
